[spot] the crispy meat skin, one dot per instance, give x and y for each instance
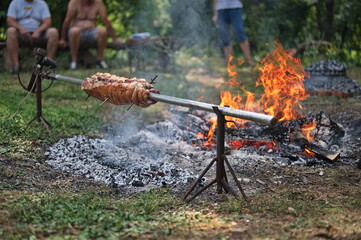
(119, 90)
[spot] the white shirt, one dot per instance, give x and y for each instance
(29, 14)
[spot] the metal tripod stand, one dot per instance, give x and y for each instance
(220, 159)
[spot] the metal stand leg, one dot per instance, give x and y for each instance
(221, 177)
(39, 116)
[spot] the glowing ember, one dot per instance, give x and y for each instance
(307, 129)
(253, 143)
(308, 153)
(282, 77)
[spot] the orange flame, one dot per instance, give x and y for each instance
(282, 77)
(307, 129)
(232, 71)
(227, 99)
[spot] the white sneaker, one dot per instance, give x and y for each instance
(102, 65)
(73, 65)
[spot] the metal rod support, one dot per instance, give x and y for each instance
(247, 115)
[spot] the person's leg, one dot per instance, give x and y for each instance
(101, 42)
(223, 26)
(52, 38)
(246, 51)
(12, 45)
(228, 51)
(237, 22)
(74, 42)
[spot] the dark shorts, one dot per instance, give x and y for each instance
(226, 18)
(88, 36)
(40, 42)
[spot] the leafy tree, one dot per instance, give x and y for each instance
(292, 22)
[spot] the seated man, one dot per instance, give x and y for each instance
(80, 28)
(29, 24)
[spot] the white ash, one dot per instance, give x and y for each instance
(103, 160)
(156, 155)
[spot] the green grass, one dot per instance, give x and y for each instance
(86, 215)
(64, 107)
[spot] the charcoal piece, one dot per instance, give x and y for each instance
(327, 130)
(137, 183)
(323, 153)
(278, 132)
(319, 152)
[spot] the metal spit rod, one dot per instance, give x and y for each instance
(247, 115)
(256, 117)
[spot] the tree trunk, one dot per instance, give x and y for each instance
(329, 20)
(319, 15)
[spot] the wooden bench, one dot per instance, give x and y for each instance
(137, 52)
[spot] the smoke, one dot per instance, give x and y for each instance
(192, 22)
(127, 124)
(188, 20)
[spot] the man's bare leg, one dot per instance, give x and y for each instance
(246, 51)
(227, 50)
(12, 45)
(52, 37)
(74, 42)
(102, 42)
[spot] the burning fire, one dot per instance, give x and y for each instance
(282, 78)
(307, 129)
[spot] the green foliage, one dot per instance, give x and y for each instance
(271, 20)
(3, 12)
(121, 15)
(296, 22)
(292, 22)
(152, 16)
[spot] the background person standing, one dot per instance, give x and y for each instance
(225, 14)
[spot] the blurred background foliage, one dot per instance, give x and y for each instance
(292, 22)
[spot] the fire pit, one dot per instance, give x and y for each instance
(170, 153)
(167, 154)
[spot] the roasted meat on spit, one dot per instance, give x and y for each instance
(119, 90)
